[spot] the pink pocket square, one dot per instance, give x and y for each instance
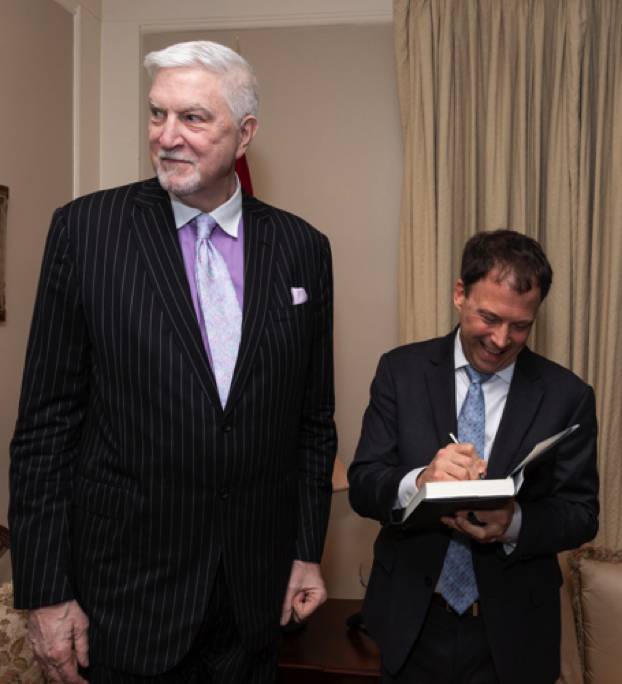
(299, 296)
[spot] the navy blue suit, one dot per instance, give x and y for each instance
(411, 413)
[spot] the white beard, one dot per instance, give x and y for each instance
(170, 179)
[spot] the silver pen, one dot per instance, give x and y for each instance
(455, 441)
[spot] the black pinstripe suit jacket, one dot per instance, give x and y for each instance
(129, 482)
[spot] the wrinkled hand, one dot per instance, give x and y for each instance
(497, 522)
(55, 632)
(305, 592)
(454, 462)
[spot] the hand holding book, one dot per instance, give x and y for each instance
(436, 499)
(484, 526)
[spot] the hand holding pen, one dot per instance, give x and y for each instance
(455, 441)
(451, 463)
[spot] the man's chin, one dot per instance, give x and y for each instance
(487, 362)
(178, 186)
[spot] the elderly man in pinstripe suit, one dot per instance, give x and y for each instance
(171, 464)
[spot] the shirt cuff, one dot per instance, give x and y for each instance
(408, 488)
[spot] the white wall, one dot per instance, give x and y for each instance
(126, 21)
(329, 149)
(36, 133)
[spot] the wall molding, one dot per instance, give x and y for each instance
(70, 5)
(85, 16)
(77, 95)
(75, 8)
(267, 21)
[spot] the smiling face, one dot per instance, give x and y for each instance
(193, 138)
(495, 322)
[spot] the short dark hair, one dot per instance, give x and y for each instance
(514, 256)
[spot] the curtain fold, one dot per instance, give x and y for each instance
(512, 117)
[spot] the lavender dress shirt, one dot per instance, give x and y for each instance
(227, 238)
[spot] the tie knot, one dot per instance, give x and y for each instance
(476, 377)
(205, 226)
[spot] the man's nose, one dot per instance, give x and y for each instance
(501, 336)
(170, 135)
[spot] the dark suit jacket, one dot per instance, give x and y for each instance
(129, 482)
(411, 413)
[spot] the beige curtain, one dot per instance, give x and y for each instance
(512, 117)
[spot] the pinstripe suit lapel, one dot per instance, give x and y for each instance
(153, 227)
(260, 243)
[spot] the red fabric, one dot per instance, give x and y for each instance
(241, 168)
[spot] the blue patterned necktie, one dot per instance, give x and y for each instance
(457, 581)
(219, 304)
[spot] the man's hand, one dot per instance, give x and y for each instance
(496, 522)
(305, 592)
(55, 632)
(454, 462)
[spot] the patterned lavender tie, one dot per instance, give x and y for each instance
(457, 582)
(219, 304)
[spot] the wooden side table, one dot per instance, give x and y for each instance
(327, 652)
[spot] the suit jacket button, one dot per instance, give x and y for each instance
(224, 493)
(226, 427)
(428, 581)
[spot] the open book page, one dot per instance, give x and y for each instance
(443, 498)
(542, 447)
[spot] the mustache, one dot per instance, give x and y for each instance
(175, 156)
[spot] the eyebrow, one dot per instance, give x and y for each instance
(188, 108)
(492, 314)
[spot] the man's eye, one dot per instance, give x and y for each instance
(193, 117)
(156, 114)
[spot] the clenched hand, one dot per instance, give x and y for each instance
(305, 592)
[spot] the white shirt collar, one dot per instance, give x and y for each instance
(460, 361)
(227, 215)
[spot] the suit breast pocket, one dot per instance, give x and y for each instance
(285, 350)
(284, 313)
(290, 331)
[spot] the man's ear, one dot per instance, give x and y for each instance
(459, 295)
(248, 130)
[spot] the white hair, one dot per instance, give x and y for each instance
(240, 88)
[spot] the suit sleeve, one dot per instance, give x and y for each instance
(566, 516)
(43, 450)
(318, 434)
(376, 471)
